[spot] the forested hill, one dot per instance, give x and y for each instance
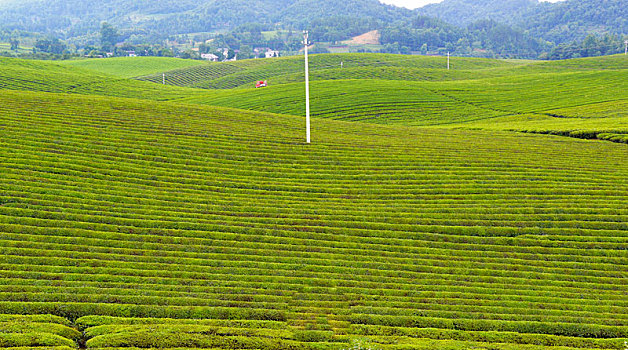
(461, 13)
(555, 22)
(71, 18)
(481, 28)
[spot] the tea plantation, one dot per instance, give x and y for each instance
(129, 67)
(136, 215)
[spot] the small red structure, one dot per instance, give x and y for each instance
(261, 84)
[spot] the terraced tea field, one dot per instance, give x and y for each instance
(587, 102)
(584, 98)
(30, 75)
(131, 223)
(242, 74)
(129, 67)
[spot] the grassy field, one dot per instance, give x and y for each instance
(136, 215)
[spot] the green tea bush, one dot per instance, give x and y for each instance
(21, 327)
(8, 340)
(311, 336)
(73, 311)
(93, 321)
(621, 138)
(34, 319)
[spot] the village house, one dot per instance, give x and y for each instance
(271, 53)
(209, 57)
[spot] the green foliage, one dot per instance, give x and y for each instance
(74, 310)
(94, 321)
(554, 328)
(512, 28)
(108, 36)
(15, 44)
(359, 344)
(591, 46)
(465, 12)
(310, 336)
(493, 337)
(21, 327)
(9, 340)
(560, 23)
(574, 20)
(485, 38)
(34, 319)
(53, 46)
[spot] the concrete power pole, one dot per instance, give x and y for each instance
(447, 60)
(626, 50)
(307, 87)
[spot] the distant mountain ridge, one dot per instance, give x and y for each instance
(556, 22)
(464, 12)
(486, 28)
(69, 18)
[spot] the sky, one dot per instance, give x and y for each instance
(412, 4)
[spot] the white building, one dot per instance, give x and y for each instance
(209, 57)
(271, 53)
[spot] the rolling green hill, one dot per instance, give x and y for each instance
(129, 67)
(245, 73)
(136, 215)
(583, 98)
(327, 67)
(141, 209)
(560, 22)
(29, 75)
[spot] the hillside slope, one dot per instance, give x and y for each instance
(583, 98)
(76, 18)
(559, 22)
(31, 75)
(206, 227)
(464, 12)
(245, 73)
(129, 67)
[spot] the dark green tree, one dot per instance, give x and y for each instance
(15, 44)
(54, 46)
(245, 52)
(108, 36)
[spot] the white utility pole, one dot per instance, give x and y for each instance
(447, 60)
(626, 50)
(164, 79)
(307, 87)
